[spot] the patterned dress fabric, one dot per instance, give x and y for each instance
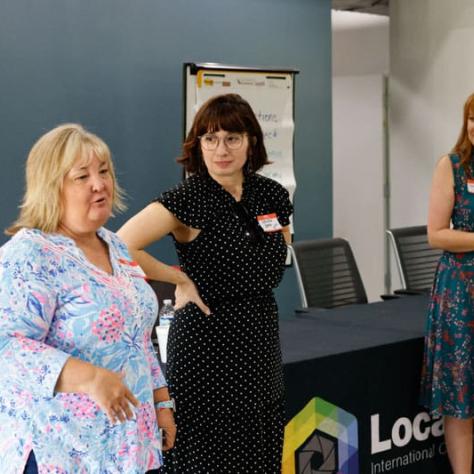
(225, 370)
(447, 385)
(55, 304)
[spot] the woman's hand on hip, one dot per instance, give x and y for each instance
(186, 292)
(112, 395)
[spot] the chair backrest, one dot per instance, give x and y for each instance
(327, 273)
(416, 260)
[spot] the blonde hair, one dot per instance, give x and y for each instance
(50, 159)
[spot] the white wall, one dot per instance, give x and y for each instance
(360, 44)
(431, 75)
(358, 170)
(360, 59)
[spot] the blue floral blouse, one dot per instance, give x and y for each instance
(54, 304)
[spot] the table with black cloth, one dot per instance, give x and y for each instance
(352, 381)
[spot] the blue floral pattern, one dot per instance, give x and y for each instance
(55, 304)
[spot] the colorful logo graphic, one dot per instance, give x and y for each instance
(321, 439)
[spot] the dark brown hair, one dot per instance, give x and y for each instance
(463, 146)
(227, 112)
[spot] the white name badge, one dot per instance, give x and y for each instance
(269, 222)
(470, 185)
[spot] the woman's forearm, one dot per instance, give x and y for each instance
(156, 270)
(150, 225)
(76, 376)
(105, 387)
(451, 240)
(161, 394)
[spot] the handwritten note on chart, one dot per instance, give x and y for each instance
(271, 97)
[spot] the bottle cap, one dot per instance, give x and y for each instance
(166, 301)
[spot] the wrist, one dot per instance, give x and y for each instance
(161, 394)
(165, 405)
(182, 278)
(77, 376)
(95, 375)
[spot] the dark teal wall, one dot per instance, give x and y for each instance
(116, 67)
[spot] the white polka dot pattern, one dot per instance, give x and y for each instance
(225, 370)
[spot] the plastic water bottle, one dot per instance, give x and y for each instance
(166, 313)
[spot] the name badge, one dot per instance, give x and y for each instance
(269, 222)
(470, 186)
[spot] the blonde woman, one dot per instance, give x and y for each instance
(80, 388)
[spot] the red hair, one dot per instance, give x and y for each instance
(463, 147)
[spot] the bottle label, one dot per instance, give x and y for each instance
(165, 319)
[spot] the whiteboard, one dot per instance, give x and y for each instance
(270, 93)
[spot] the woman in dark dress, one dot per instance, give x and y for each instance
(230, 228)
(448, 369)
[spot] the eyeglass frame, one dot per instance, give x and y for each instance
(240, 134)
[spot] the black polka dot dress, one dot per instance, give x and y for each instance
(225, 370)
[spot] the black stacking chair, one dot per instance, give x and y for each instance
(327, 273)
(416, 260)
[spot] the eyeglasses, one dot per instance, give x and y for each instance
(233, 141)
(252, 229)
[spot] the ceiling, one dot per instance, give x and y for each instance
(378, 7)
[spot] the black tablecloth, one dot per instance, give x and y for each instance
(318, 332)
(359, 363)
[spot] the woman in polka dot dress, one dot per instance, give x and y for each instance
(229, 227)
